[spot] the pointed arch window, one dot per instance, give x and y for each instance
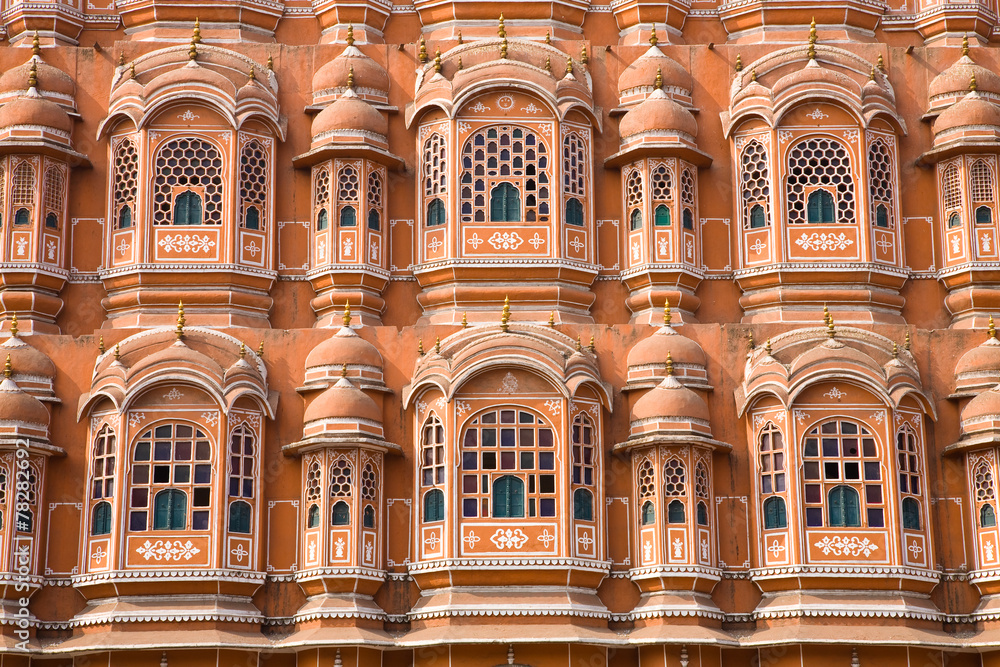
(313, 493)
(755, 182)
(254, 186)
(22, 193)
(433, 506)
(817, 165)
(239, 517)
(646, 485)
(882, 183)
(675, 512)
(984, 490)
(675, 486)
(774, 513)
(635, 220)
(819, 208)
(100, 523)
(509, 166)
(984, 215)
(170, 510)
(574, 212)
(187, 209)
(188, 183)
(341, 491)
(369, 495)
(634, 199)
(126, 182)
(505, 203)
(322, 220)
(435, 213)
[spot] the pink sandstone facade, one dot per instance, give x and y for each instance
(357, 333)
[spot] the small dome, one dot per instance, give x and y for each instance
(33, 109)
(833, 351)
(349, 114)
(27, 360)
(50, 79)
(752, 89)
(343, 400)
(653, 350)
(658, 113)
(252, 90)
(643, 72)
(17, 406)
(972, 110)
(983, 358)
(368, 74)
(983, 408)
(344, 347)
(189, 75)
(176, 355)
(672, 401)
(955, 79)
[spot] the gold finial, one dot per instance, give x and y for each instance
(501, 30)
(193, 50)
(270, 63)
(243, 350)
(753, 74)
(569, 65)
(347, 314)
(965, 44)
(767, 347)
(505, 314)
(548, 37)
(750, 342)
(437, 60)
(552, 318)
(871, 75)
(437, 344)
(579, 345)
(33, 75)
(812, 39)
(13, 325)
(670, 365)
(880, 63)
(503, 49)
(465, 320)
(196, 33)
(460, 41)
(100, 345)
(992, 329)
(895, 350)
(972, 83)
(739, 63)
(131, 70)
(350, 34)
(830, 331)
(420, 347)
(591, 345)
(422, 53)
(252, 75)
(658, 81)
(118, 351)
(180, 320)
(460, 66)
(548, 64)
(906, 342)
(826, 314)
(7, 369)
(121, 59)
(260, 349)
(653, 40)
(583, 55)
(35, 48)
(350, 77)
(343, 371)
(666, 312)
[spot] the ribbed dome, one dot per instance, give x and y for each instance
(343, 401)
(50, 79)
(672, 401)
(27, 360)
(658, 113)
(17, 406)
(368, 74)
(956, 79)
(344, 347)
(983, 408)
(653, 350)
(643, 72)
(983, 358)
(971, 110)
(32, 109)
(349, 114)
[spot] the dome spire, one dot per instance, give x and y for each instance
(350, 78)
(658, 81)
(180, 320)
(100, 345)
(965, 44)
(8, 370)
(422, 53)
(437, 60)
(670, 365)
(812, 40)
(35, 48)
(739, 62)
(350, 35)
(880, 63)
(666, 312)
(501, 30)
(992, 329)
(33, 75)
(243, 350)
(653, 40)
(505, 314)
(13, 325)
(973, 86)
(347, 314)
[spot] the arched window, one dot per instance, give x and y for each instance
(22, 193)
(314, 492)
(981, 182)
(100, 522)
(661, 217)
(984, 215)
(51, 221)
(368, 517)
(954, 221)
(702, 514)
(951, 193)
(254, 185)
(435, 213)
(432, 465)
(126, 182)
(635, 220)
(374, 221)
(772, 460)
(583, 505)
(881, 182)
(756, 184)
(321, 197)
(369, 492)
(911, 514)
(194, 164)
(774, 513)
(374, 201)
(841, 463)
(22, 217)
(574, 212)
(239, 517)
(241, 462)
(434, 506)
(881, 216)
(170, 510)
(176, 458)
(505, 203)
(508, 497)
(187, 209)
(675, 512)
(844, 508)
(322, 220)
(251, 218)
(103, 465)
(341, 514)
(987, 516)
(819, 208)
(434, 164)
(702, 491)
(575, 171)
(348, 217)
(688, 219)
(583, 450)
(313, 519)
(824, 162)
(648, 513)
(517, 444)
